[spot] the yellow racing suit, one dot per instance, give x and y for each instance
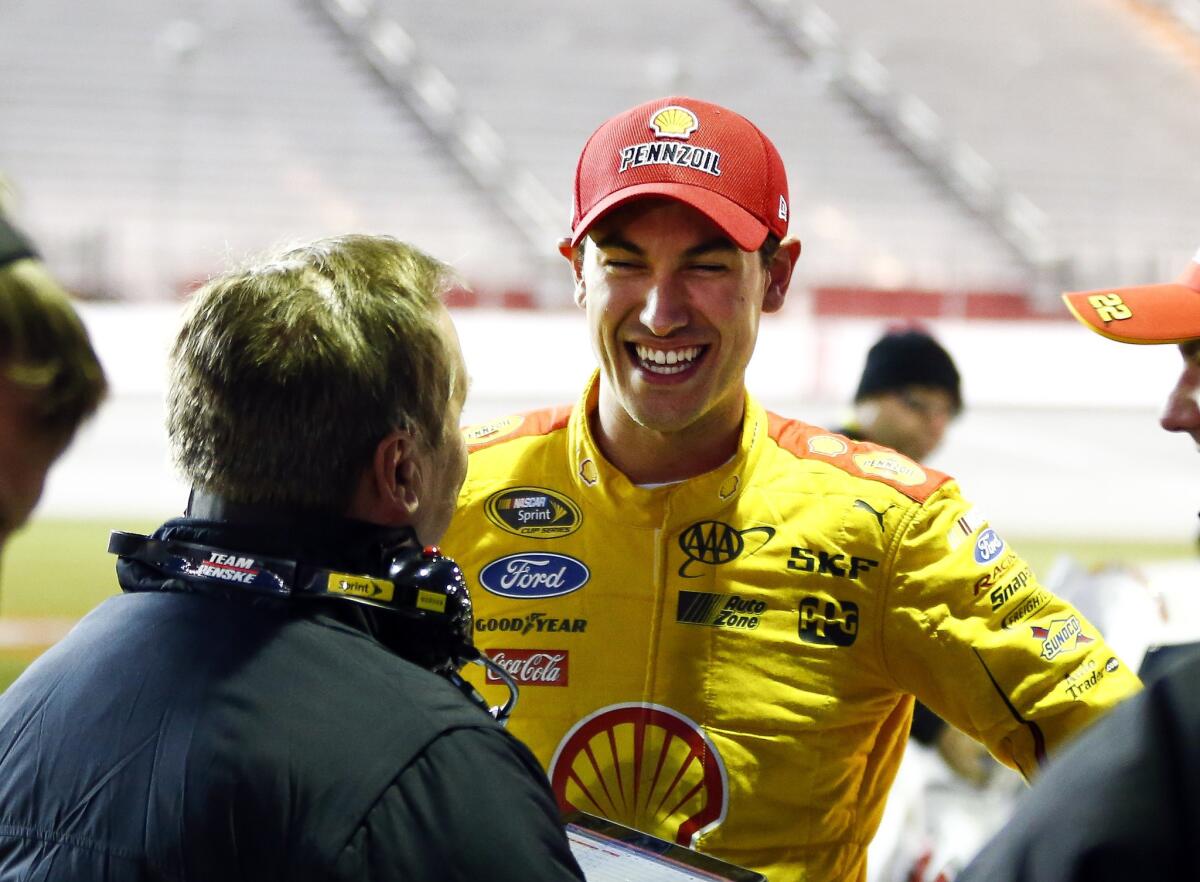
(729, 661)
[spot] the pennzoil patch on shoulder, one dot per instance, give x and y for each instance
(533, 512)
(495, 429)
(893, 466)
(360, 586)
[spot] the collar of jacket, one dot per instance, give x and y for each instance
(603, 486)
(308, 537)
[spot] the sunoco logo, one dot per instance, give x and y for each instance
(534, 576)
(714, 543)
(1063, 635)
(533, 512)
(673, 780)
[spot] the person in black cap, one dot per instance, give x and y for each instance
(908, 395)
(50, 378)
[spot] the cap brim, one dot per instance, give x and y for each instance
(1142, 314)
(746, 231)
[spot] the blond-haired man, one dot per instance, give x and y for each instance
(263, 701)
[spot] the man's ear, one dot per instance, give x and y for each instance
(780, 274)
(390, 488)
(574, 256)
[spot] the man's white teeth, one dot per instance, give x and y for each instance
(670, 361)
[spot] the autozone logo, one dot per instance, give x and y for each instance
(531, 667)
(718, 610)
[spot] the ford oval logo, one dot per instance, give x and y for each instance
(988, 546)
(531, 576)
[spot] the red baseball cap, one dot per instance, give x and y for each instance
(1168, 313)
(715, 160)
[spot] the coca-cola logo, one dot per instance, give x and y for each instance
(531, 667)
(531, 576)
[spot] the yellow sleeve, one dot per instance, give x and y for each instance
(975, 636)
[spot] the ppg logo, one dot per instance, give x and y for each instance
(828, 622)
(988, 546)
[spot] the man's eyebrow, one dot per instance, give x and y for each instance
(717, 243)
(614, 240)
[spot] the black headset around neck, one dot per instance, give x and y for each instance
(419, 583)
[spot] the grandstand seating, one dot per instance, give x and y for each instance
(169, 137)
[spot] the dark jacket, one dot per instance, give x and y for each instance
(187, 736)
(1121, 802)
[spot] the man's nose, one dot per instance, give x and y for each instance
(1182, 413)
(665, 309)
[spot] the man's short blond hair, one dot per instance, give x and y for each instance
(44, 347)
(287, 373)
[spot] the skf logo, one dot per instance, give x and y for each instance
(645, 766)
(1063, 635)
(828, 622)
(825, 564)
(718, 610)
(534, 512)
(674, 122)
(715, 543)
(363, 586)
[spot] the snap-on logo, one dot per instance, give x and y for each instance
(534, 576)
(988, 546)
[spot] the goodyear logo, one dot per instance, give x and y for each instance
(533, 512)
(718, 610)
(1063, 635)
(714, 543)
(828, 622)
(360, 586)
(893, 466)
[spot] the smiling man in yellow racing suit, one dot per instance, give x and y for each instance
(718, 617)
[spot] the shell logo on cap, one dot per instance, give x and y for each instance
(645, 766)
(674, 122)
